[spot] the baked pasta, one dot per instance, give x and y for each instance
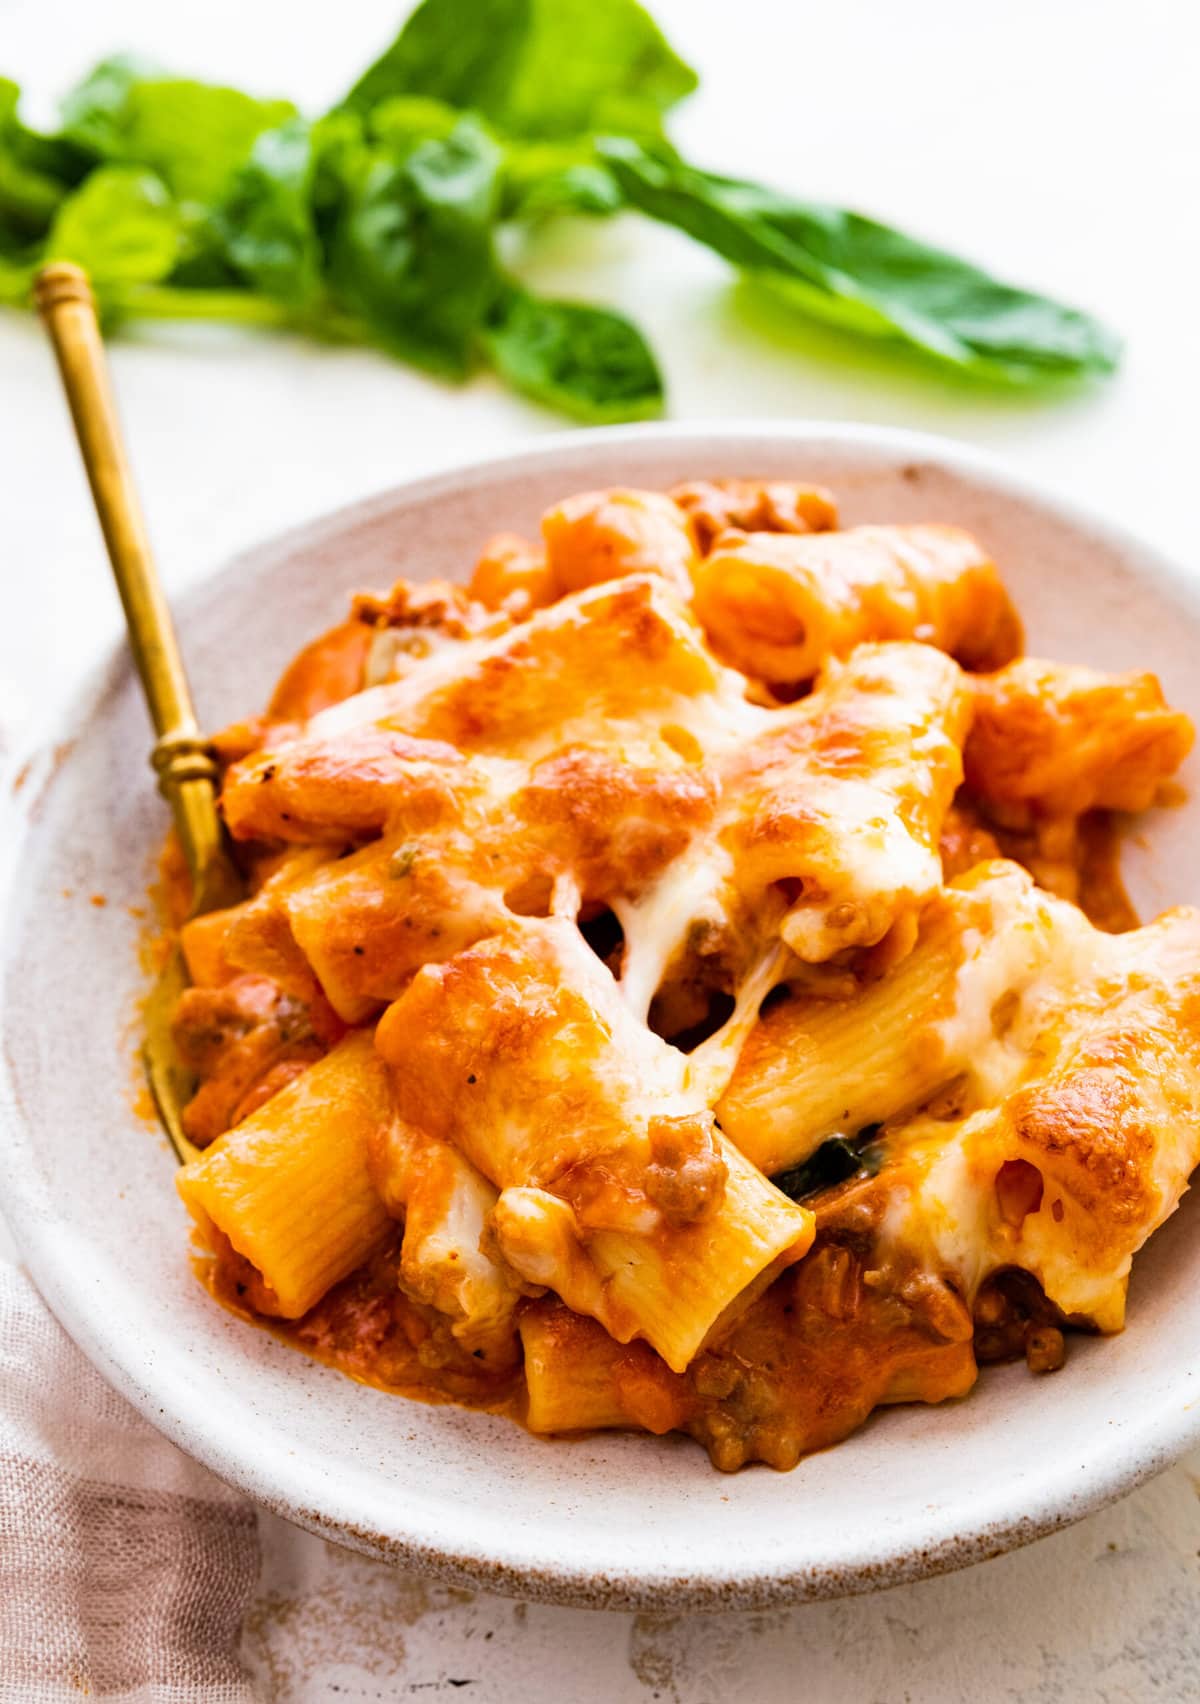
(685, 984)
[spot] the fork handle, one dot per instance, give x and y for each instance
(183, 759)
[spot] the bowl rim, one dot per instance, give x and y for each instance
(278, 1481)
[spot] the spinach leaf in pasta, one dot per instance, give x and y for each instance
(836, 1160)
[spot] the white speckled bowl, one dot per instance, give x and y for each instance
(609, 1520)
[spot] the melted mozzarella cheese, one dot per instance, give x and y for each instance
(941, 1209)
(712, 1064)
(387, 699)
(396, 651)
(1038, 954)
(1076, 995)
(657, 925)
(870, 862)
(707, 720)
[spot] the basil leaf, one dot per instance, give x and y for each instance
(28, 198)
(37, 172)
(412, 248)
(542, 178)
(265, 224)
(460, 52)
(585, 188)
(404, 120)
(90, 112)
(864, 276)
(589, 362)
(122, 226)
(194, 135)
(565, 174)
(533, 67)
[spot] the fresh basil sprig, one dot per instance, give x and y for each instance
(382, 222)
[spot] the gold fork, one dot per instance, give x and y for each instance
(182, 757)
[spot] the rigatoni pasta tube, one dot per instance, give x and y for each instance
(368, 921)
(615, 1190)
(603, 535)
(1065, 739)
(330, 789)
(828, 828)
(445, 1202)
(840, 806)
(578, 1379)
(1080, 1131)
(254, 936)
(290, 1186)
(675, 1286)
(812, 1067)
(777, 605)
(616, 654)
(570, 1372)
(1110, 1134)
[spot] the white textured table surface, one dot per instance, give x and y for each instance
(1055, 139)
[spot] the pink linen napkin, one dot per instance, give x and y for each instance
(125, 1568)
